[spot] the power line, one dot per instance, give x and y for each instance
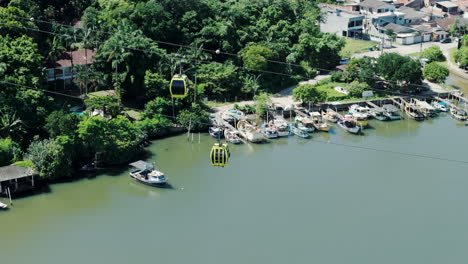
(220, 52)
(319, 141)
(241, 67)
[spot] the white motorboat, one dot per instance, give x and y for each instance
(147, 173)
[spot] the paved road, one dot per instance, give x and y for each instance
(407, 49)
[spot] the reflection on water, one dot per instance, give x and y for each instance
(292, 200)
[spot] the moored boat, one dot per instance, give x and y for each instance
(441, 106)
(318, 122)
(330, 115)
(269, 130)
(282, 127)
(250, 132)
(147, 173)
(232, 137)
(299, 132)
(361, 119)
(414, 111)
(349, 124)
(216, 132)
(426, 108)
(3, 206)
(459, 114)
(379, 114)
(305, 124)
(363, 110)
(391, 112)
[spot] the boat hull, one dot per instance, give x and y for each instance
(159, 185)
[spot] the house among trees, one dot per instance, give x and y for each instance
(63, 69)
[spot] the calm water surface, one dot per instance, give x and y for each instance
(290, 201)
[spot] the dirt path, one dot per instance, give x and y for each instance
(283, 97)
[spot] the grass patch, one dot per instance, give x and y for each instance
(452, 54)
(356, 46)
(24, 163)
(415, 54)
(102, 93)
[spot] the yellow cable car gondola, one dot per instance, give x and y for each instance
(220, 154)
(179, 86)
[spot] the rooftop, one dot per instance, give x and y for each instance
(373, 3)
(447, 4)
(343, 13)
(398, 28)
(446, 22)
(12, 172)
(79, 58)
(411, 13)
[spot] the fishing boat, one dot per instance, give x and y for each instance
(330, 115)
(363, 110)
(414, 111)
(147, 173)
(361, 119)
(299, 132)
(216, 132)
(250, 132)
(232, 137)
(459, 114)
(441, 106)
(305, 124)
(3, 206)
(349, 124)
(379, 114)
(318, 123)
(233, 115)
(426, 108)
(282, 127)
(391, 111)
(269, 130)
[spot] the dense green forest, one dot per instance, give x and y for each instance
(228, 49)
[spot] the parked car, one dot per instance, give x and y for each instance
(344, 61)
(446, 40)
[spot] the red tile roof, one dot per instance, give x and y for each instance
(79, 58)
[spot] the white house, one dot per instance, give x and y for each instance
(342, 22)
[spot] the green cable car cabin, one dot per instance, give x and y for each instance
(219, 155)
(179, 86)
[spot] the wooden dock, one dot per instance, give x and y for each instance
(372, 104)
(452, 105)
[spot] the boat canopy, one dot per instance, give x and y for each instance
(442, 103)
(142, 165)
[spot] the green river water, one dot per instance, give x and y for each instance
(288, 201)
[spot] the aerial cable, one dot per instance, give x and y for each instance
(240, 67)
(320, 141)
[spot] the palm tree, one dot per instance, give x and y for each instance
(9, 124)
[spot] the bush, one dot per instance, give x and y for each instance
(9, 151)
(49, 159)
(433, 54)
(461, 57)
(154, 127)
(356, 88)
(435, 72)
(196, 118)
(337, 77)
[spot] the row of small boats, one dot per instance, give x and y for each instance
(420, 110)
